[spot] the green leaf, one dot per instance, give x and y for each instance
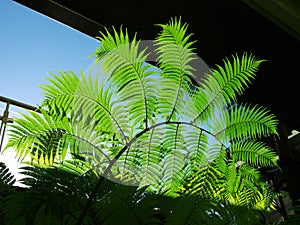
(253, 153)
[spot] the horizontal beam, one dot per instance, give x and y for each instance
(284, 14)
(17, 103)
(60, 11)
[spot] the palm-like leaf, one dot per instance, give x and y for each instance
(48, 140)
(37, 135)
(225, 83)
(206, 182)
(56, 196)
(244, 122)
(89, 99)
(175, 55)
(254, 153)
(123, 59)
(234, 185)
(143, 126)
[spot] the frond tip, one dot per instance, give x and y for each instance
(234, 77)
(254, 153)
(174, 57)
(225, 83)
(241, 122)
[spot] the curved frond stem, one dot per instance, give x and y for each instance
(120, 153)
(177, 96)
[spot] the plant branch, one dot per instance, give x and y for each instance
(126, 147)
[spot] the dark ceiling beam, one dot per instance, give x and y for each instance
(285, 14)
(61, 12)
(221, 28)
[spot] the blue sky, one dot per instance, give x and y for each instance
(32, 46)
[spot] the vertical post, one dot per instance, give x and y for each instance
(289, 165)
(4, 120)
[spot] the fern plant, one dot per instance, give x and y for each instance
(149, 126)
(57, 196)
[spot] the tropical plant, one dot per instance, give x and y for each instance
(56, 196)
(149, 127)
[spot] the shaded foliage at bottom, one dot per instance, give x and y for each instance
(55, 196)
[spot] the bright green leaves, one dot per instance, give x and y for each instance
(254, 153)
(204, 182)
(124, 61)
(60, 84)
(235, 184)
(175, 55)
(39, 136)
(225, 83)
(234, 77)
(241, 122)
(150, 126)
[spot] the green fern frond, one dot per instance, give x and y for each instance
(245, 122)
(157, 157)
(225, 83)
(244, 186)
(33, 132)
(234, 184)
(266, 200)
(248, 172)
(48, 140)
(253, 153)
(197, 145)
(60, 84)
(175, 55)
(204, 182)
(152, 156)
(90, 99)
(235, 189)
(123, 59)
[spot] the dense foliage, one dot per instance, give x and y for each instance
(142, 144)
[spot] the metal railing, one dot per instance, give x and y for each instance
(5, 117)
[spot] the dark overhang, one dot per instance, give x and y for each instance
(270, 29)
